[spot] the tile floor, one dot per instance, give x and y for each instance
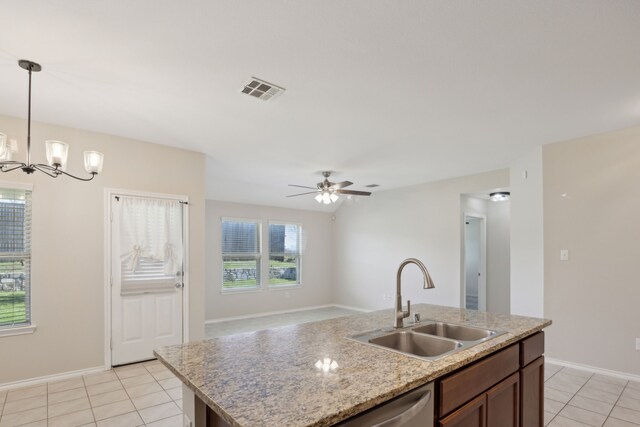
(580, 398)
(144, 394)
(230, 327)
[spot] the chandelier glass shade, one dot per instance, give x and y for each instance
(56, 151)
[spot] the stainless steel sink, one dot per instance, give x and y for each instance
(455, 332)
(430, 340)
(415, 343)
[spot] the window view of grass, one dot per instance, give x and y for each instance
(237, 273)
(243, 273)
(283, 271)
(12, 307)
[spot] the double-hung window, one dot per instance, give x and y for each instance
(241, 255)
(15, 258)
(284, 254)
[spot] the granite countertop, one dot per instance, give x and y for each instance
(269, 377)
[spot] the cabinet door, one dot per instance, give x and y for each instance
(473, 414)
(532, 393)
(503, 403)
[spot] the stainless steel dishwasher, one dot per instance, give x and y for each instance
(412, 409)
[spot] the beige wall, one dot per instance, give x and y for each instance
(374, 235)
(68, 244)
(591, 208)
(317, 269)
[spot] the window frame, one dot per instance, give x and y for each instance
(299, 275)
(29, 326)
(257, 256)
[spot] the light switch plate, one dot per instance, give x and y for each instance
(637, 343)
(564, 254)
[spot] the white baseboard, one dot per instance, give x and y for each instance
(269, 313)
(348, 307)
(51, 378)
(617, 374)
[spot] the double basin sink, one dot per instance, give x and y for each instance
(427, 340)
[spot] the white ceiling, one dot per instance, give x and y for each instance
(390, 92)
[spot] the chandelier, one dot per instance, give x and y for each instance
(57, 151)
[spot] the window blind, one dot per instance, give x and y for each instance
(284, 254)
(240, 254)
(15, 257)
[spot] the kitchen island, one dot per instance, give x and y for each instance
(272, 377)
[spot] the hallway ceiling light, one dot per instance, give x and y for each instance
(500, 196)
(57, 151)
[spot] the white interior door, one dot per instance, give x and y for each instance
(147, 258)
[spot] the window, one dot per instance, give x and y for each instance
(15, 257)
(284, 254)
(240, 254)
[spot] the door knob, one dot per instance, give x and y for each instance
(179, 285)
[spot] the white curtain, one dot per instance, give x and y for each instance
(150, 241)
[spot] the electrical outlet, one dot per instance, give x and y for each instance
(564, 254)
(637, 343)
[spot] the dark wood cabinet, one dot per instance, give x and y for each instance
(473, 414)
(505, 389)
(498, 406)
(532, 394)
(503, 403)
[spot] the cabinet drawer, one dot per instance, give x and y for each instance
(468, 383)
(531, 348)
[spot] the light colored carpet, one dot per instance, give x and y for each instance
(231, 327)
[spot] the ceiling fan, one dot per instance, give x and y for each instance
(327, 192)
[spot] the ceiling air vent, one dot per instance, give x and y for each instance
(261, 89)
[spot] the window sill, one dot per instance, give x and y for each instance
(284, 287)
(18, 330)
(241, 291)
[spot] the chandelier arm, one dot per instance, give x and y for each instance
(46, 170)
(11, 162)
(57, 171)
(93, 175)
(17, 165)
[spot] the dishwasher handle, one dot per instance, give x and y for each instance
(407, 415)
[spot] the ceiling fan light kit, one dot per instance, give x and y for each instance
(329, 192)
(56, 151)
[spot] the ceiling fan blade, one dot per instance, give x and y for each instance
(353, 192)
(302, 194)
(303, 186)
(342, 184)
